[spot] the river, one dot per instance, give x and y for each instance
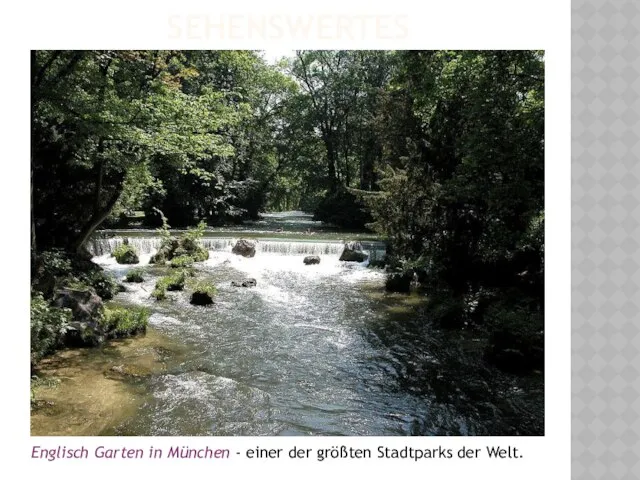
(312, 349)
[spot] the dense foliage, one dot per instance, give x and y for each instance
(441, 152)
(48, 326)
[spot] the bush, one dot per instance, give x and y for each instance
(205, 287)
(170, 283)
(121, 322)
(105, 285)
(56, 262)
(134, 276)
(56, 268)
(176, 281)
(159, 293)
(185, 245)
(126, 254)
(183, 261)
(48, 326)
(203, 293)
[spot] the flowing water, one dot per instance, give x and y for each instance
(312, 349)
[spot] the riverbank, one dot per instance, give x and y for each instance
(90, 391)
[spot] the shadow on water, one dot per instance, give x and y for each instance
(446, 370)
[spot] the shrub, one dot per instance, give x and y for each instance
(48, 327)
(203, 293)
(56, 262)
(200, 254)
(176, 281)
(126, 254)
(172, 282)
(185, 245)
(159, 293)
(56, 268)
(134, 276)
(194, 234)
(120, 322)
(204, 287)
(105, 285)
(182, 261)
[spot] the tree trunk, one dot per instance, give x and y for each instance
(331, 161)
(99, 215)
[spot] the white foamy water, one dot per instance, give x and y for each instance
(146, 246)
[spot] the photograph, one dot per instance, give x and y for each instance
(287, 243)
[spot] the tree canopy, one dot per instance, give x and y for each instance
(440, 152)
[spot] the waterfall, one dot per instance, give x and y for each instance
(150, 244)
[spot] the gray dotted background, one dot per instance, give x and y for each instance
(605, 239)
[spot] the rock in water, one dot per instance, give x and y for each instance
(201, 298)
(87, 310)
(244, 248)
(126, 254)
(311, 260)
(249, 282)
(350, 255)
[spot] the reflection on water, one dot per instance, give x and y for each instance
(314, 349)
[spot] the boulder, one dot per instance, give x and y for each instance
(166, 251)
(244, 248)
(86, 328)
(311, 260)
(126, 254)
(350, 255)
(249, 282)
(201, 298)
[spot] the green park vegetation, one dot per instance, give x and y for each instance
(439, 152)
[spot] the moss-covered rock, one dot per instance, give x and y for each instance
(122, 322)
(105, 284)
(311, 260)
(183, 261)
(244, 248)
(166, 251)
(134, 276)
(159, 293)
(176, 281)
(350, 255)
(181, 247)
(203, 293)
(87, 311)
(170, 283)
(55, 269)
(126, 254)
